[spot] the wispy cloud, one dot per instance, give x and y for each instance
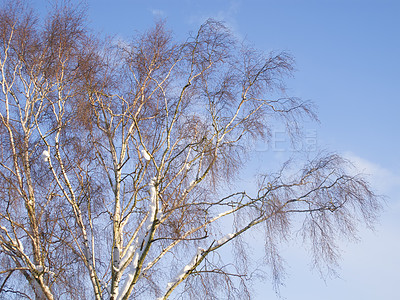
(384, 179)
(157, 12)
(228, 16)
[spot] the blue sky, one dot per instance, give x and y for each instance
(347, 54)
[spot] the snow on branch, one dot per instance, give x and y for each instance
(189, 188)
(129, 279)
(45, 155)
(136, 250)
(145, 154)
(224, 239)
(186, 268)
(143, 238)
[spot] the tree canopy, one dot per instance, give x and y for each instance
(118, 163)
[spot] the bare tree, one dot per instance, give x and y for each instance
(119, 160)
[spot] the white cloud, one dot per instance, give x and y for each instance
(158, 12)
(228, 16)
(383, 179)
